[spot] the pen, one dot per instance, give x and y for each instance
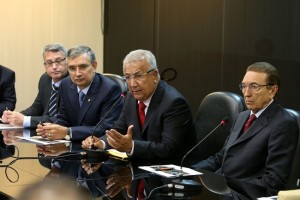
(1, 118)
(41, 123)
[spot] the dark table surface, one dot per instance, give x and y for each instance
(108, 178)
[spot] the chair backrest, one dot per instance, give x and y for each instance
(294, 177)
(119, 80)
(213, 108)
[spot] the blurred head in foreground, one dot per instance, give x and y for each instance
(54, 188)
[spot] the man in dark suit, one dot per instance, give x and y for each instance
(54, 56)
(7, 89)
(167, 131)
(261, 155)
(79, 115)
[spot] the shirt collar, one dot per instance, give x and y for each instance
(262, 110)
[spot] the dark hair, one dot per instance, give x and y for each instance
(264, 67)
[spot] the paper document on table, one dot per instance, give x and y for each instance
(9, 127)
(268, 198)
(117, 154)
(170, 171)
(41, 140)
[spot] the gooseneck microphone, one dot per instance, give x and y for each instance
(112, 107)
(223, 122)
(183, 184)
(93, 153)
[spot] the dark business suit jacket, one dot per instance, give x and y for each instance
(7, 89)
(98, 106)
(263, 154)
(168, 131)
(39, 108)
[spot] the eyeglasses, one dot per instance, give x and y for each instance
(252, 87)
(57, 62)
(137, 77)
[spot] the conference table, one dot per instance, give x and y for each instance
(24, 163)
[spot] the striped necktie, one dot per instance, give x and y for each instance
(52, 111)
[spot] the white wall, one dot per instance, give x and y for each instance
(28, 25)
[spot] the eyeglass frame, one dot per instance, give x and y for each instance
(136, 77)
(57, 62)
(254, 87)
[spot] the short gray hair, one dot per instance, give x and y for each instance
(140, 55)
(79, 50)
(56, 47)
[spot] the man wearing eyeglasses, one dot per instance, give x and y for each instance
(162, 128)
(261, 146)
(54, 56)
(86, 97)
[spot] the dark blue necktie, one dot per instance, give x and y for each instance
(81, 97)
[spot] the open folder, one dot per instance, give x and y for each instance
(170, 171)
(42, 141)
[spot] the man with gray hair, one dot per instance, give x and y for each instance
(156, 122)
(45, 105)
(87, 98)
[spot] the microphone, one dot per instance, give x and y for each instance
(93, 153)
(223, 122)
(190, 184)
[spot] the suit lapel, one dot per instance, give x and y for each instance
(48, 87)
(154, 103)
(257, 126)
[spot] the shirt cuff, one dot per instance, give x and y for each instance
(26, 133)
(70, 132)
(131, 152)
(103, 144)
(26, 121)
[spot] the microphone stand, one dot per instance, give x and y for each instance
(94, 154)
(186, 184)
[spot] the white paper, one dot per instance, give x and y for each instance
(9, 127)
(170, 171)
(41, 140)
(268, 198)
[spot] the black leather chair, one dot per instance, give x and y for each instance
(294, 177)
(118, 79)
(213, 108)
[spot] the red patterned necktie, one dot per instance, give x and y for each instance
(142, 107)
(249, 122)
(141, 188)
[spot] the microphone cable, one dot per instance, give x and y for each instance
(17, 157)
(157, 188)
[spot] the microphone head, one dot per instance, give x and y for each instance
(224, 120)
(124, 94)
